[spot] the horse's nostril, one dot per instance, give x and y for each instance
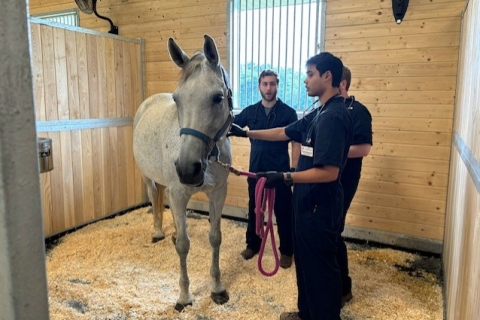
(190, 173)
(197, 168)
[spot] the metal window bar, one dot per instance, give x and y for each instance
(301, 53)
(276, 34)
(68, 17)
(287, 40)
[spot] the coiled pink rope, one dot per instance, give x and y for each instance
(264, 199)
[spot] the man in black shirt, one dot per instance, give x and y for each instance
(360, 147)
(325, 135)
(270, 112)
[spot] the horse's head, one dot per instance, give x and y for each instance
(203, 99)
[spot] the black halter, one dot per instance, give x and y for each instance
(212, 142)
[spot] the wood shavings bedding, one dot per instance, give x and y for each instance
(110, 270)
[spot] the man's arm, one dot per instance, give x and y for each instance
(275, 134)
(359, 150)
(316, 175)
(295, 153)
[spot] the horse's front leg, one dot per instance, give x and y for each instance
(182, 245)
(217, 199)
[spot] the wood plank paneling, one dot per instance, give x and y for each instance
(406, 75)
(421, 11)
(391, 29)
(74, 73)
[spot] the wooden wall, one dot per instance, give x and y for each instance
(462, 227)
(155, 22)
(87, 88)
(405, 74)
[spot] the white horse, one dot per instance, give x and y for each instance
(175, 136)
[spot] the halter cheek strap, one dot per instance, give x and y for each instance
(189, 131)
(211, 143)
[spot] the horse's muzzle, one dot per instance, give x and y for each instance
(191, 174)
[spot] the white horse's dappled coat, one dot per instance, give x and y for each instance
(178, 164)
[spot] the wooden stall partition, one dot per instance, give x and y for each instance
(87, 87)
(461, 252)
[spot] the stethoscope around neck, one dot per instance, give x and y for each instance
(272, 112)
(308, 139)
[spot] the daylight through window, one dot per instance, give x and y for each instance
(273, 34)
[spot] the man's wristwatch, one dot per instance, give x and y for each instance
(288, 179)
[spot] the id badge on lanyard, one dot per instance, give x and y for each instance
(306, 151)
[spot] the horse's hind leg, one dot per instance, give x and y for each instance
(217, 199)
(155, 195)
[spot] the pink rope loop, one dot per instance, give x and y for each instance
(265, 198)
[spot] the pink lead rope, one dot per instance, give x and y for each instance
(264, 199)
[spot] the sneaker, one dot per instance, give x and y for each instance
(285, 261)
(346, 298)
(290, 316)
(248, 254)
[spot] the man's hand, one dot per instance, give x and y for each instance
(274, 178)
(237, 131)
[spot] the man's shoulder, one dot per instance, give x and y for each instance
(354, 104)
(337, 106)
(284, 105)
(248, 109)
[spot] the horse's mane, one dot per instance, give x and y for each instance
(194, 65)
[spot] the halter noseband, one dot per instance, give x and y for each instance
(212, 142)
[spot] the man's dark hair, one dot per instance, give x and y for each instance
(325, 61)
(347, 75)
(266, 73)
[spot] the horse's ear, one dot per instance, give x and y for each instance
(211, 51)
(177, 54)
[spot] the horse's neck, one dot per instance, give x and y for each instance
(225, 149)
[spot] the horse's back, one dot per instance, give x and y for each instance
(156, 138)
(160, 102)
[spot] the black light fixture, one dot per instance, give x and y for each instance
(399, 9)
(89, 7)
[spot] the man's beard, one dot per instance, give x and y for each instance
(273, 98)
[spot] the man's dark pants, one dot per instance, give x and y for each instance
(349, 188)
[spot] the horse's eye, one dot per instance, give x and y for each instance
(218, 98)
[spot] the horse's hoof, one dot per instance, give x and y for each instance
(179, 307)
(156, 239)
(220, 297)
